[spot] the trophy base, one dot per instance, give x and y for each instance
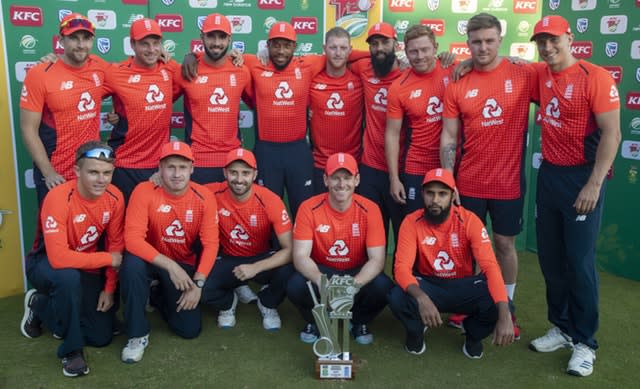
(334, 369)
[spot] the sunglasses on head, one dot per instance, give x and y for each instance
(99, 153)
(72, 23)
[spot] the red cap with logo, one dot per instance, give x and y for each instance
(243, 155)
(216, 22)
(341, 161)
(178, 148)
(282, 30)
(76, 22)
(555, 25)
(144, 27)
(440, 175)
(383, 29)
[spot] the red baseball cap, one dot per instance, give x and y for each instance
(178, 148)
(282, 30)
(440, 175)
(216, 22)
(243, 155)
(341, 161)
(383, 29)
(553, 24)
(144, 27)
(76, 22)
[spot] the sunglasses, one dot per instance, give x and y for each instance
(99, 153)
(73, 23)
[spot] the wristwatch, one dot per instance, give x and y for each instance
(199, 283)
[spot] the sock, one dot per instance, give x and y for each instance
(511, 290)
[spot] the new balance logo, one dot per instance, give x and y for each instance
(471, 94)
(323, 228)
(581, 218)
(339, 248)
(66, 85)
(79, 218)
(164, 208)
(335, 101)
(133, 79)
(415, 94)
(429, 240)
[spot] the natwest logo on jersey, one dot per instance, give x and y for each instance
(633, 100)
(25, 16)
(169, 22)
(271, 4)
(616, 72)
(582, 49)
(525, 6)
(401, 5)
(461, 50)
(436, 25)
(305, 24)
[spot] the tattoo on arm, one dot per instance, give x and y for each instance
(448, 156)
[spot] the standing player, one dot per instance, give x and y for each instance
(335, 106)
(488, 110)
(249, 215)
(417, 98)
(72, 265)
(435, 271)
(212, 101)
(580, 110)
(341, 233)
(171, 234)
(60, 105)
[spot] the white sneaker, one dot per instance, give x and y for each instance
(551, 341)
(245, 294)
(582, 359)
(270, 317)
(134, 350)
(227, 318)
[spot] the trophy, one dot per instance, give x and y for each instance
(336, 299)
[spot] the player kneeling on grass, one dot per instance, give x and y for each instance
(171, 235)
(249, 215)
(437, 247)
(341, 233)
(72, 265)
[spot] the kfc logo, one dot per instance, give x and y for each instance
(305, 25)
(169, 23)
(177, 120)
(461, 50)
(401, 5)
(436, 25)
(55, 44)
(25, 16)
(582, 50)
(616, 72)
(197, 46)
(271, 4)
(525, 6)
(633, 100)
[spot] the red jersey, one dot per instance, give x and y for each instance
(69, 99)
(376, 93)
(281, 96)
(142, 97)
(340, 239)
(246, 227)
(335, 113)
(493, 108)
(447, 250)
(72, 227)
(569, 101)
(211, 109)
(158, 222)
(418, 98)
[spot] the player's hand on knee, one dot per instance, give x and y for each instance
(105, 301)
(429, 313)
(189, 300)
(180, 278)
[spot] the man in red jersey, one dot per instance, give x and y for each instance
(335, 106)
(422, 86)
(488, 110)
(212, 101)
(142, 88)
(72, 265)
(580, 110)
(60, 105)
(341, 233)
(248, 216)
(171, 234)
(434, 269)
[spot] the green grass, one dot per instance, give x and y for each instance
(249, 357)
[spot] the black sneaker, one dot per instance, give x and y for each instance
(30, 326)
(472, 348)
(310, 333)
(361, 334)
(415, 344)
(74, 365)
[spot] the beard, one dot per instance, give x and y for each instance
(437, 218)
(281, 67)
(382, 67)
(215, 57)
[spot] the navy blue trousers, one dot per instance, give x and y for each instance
(126, 179)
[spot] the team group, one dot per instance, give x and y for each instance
(385, 144)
